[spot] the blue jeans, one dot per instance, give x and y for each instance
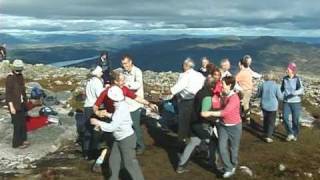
(229, 152)
(294, 109)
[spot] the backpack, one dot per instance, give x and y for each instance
(36, 93)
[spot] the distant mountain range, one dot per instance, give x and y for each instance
(164, 53)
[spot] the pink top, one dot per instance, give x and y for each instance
(231, 111)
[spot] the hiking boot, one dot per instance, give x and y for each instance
(268, 140)
(290, 138)
(181, 169)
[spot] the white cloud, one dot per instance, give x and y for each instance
(22, 26)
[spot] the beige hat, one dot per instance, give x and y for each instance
(97, 71)
(18, 65)
(115, 93)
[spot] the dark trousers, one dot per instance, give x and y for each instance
(92, 140)
(19, 128)
(269, 118)
(185, 115)
(87, 130)
(136, 119)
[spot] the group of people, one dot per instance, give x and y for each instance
(211, 104)
(113, 106)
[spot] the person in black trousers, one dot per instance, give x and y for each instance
(16, 98)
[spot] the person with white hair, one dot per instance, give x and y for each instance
(16, 98)
(94, 87)
(225, 68)
(187, 86)
(123, 148)
(204, 62)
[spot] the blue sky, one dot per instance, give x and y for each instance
(201, 17)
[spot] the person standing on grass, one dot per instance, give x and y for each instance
(123, 148)
(134, 81)
(270, 94)
(187, 86)
(229, 127)
(244, 80)
(292, 89)
(200, 128)
(254, 74)
(16, 98)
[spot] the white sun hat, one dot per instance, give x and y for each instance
(115, 93)
(18, 64)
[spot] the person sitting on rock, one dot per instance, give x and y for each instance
(16, 99)
(123, 148)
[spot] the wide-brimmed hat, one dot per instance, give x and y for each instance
(18, 65)
(115, 93)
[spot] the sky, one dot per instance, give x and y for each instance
(196, 17)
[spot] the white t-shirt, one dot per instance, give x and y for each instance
(94, 88)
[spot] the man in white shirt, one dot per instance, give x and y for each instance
(188, 84)
(225, 68)
(134, 81)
